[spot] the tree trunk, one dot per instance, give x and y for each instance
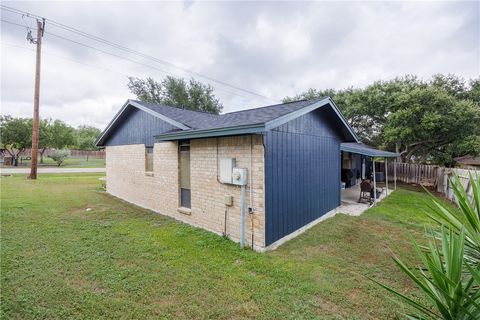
(15, 160)
(41, 155)
(15, 156)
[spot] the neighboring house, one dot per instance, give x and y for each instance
(468, 162)
(170, 160)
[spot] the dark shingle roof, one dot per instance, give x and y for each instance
(192, 119)
(202, 120)
(195, 124)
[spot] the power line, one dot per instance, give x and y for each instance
(118, 46)
(131, 51)
(17, 24)
(64, 58)
(119, 56)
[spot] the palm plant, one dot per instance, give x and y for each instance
(452, 294)
(450, 275)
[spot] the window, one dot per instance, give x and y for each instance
(184, 160)
(149, 159)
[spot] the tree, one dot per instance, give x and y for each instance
(61, 135)
(54, 134)
(59, 156)
(191, 95)
(44, 137)
(430, 122)
(85, 137)
(15, 136)
(474, 92)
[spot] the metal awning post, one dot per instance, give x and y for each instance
(394, 174)
(374, 184)
(363, 167)
(386, 173)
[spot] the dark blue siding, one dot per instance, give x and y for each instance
(302, 173)
(137, 127)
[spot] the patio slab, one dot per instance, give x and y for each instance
(350, 204)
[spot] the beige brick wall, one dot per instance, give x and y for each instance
(126, 179)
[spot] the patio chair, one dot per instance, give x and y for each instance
(365, 191)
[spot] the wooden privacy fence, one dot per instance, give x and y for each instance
(416, 173)
(434, 176)
(444, 182)
(100, 154)
(90, 154)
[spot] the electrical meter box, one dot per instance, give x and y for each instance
(239, 176)
(226, 169)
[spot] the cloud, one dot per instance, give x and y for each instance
(273, 48)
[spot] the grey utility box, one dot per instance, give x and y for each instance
(226, 169)
(239, 176)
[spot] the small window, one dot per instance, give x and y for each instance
(184, 155)
(149, 159)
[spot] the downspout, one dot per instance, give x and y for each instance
(242, 219)
(250, 189)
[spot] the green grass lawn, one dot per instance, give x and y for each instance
(118, 261)
(68, 163)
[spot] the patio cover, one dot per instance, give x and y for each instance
(361, 148)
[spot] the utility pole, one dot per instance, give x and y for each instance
(36, 98)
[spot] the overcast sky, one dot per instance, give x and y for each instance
(274, 49)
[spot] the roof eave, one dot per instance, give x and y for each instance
(209, 133)
(100, 140)
(295, 114)
(344, 120)
(160, 116)
(370, 153)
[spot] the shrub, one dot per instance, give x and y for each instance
(449, 275)
(59, 156)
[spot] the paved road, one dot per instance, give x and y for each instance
(51, 170)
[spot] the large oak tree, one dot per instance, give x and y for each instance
(425, 121)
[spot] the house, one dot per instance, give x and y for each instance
(179, 163)
(468, 162)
